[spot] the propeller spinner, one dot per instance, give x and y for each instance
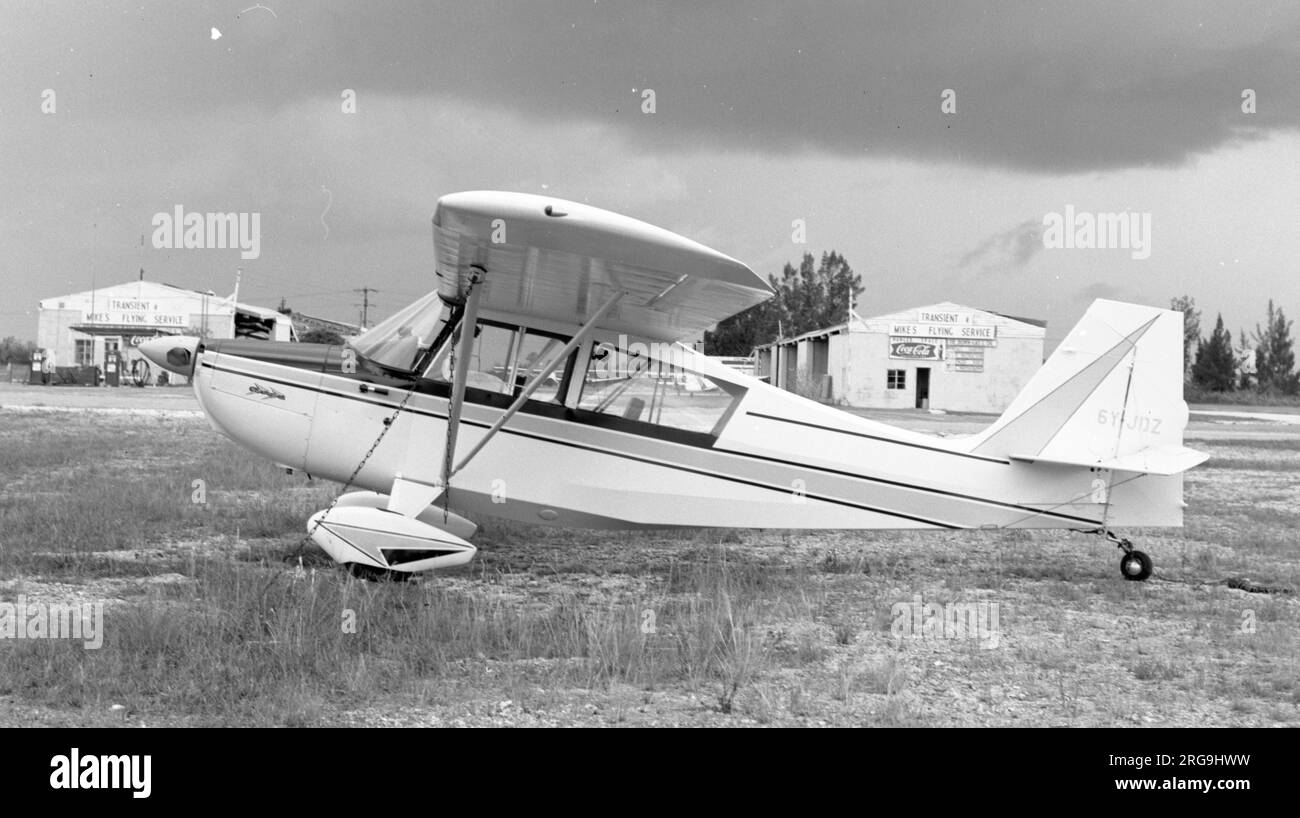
(175, 353)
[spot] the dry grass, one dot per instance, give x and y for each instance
(689, 627)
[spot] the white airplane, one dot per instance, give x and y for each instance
(541, 381)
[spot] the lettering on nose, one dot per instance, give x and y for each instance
(266, 392)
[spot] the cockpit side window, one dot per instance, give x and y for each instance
(655, 390)
(537, 351)
(503, 359)
(654, 384)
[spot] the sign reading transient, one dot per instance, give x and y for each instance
(949, 337)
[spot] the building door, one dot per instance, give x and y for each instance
(923, 387)
(820, 357)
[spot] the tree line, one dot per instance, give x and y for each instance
(13, 351)
(1263, 361)
(812, 296)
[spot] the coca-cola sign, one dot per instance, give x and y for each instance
(914, 350)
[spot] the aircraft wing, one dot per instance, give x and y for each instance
(561, 260)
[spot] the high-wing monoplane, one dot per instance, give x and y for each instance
(543, 380)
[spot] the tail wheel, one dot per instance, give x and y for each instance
(1135, 566)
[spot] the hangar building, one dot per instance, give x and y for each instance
(102, 327)
(942, 356)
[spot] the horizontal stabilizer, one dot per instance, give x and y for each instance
(1163, 460)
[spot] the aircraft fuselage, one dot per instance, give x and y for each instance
(775, 460)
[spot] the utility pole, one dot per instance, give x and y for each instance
(365, 303)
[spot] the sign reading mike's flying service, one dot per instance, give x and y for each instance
(938, 335)
(986, 332)
(135, 312)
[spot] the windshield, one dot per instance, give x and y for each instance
(399, 341)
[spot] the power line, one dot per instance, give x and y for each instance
(365, 303)
(271, 288)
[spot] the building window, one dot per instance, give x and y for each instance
(896, 379)
(85, 352)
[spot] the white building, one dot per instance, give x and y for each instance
(102, 327)
(942, 356)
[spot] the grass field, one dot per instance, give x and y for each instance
(216, 613)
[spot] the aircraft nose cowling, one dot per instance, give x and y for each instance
(175, 353)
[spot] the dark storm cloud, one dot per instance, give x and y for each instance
(1054, 88)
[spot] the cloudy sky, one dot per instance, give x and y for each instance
(764, 113)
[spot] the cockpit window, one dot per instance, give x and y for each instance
(504, 359)
(536, 353)
(655, 385)
(402, 340)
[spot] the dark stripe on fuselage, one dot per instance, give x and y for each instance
(785, 490)
(899, 484)
(891, 440)
(393, 404)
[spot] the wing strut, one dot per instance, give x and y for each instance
(532, 385)
(410, 497)
(468, 324)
